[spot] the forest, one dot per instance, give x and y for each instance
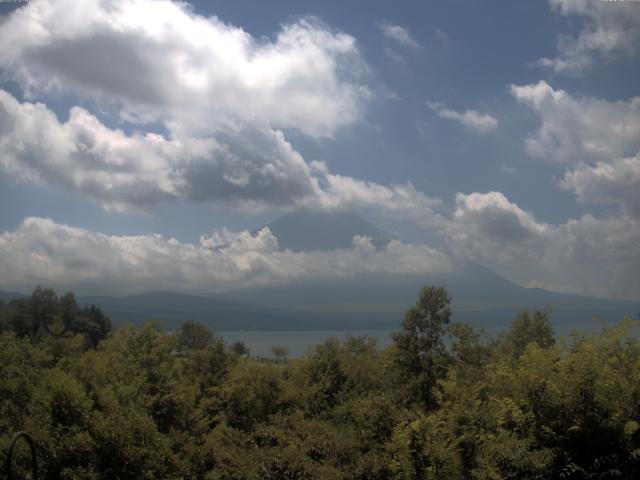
(444, 401)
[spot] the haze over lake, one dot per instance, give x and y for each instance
(300, 343)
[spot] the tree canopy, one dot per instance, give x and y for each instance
(444, 401)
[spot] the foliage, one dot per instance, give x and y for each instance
(143, 403)
(420, 352)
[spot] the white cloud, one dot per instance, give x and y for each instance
(338, 191)
(612, 183)
(399, 34)
(598, 256)
(158, 60)
(488, 227)
(510, 169)
(579, 129)
(220, 95)
(42, 251)
(610, 30)
(139, 170)
(591, 255)
(250, 167)
(471, 119)
(600, 140)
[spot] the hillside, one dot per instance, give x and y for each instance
(171, 309)
(8, 296)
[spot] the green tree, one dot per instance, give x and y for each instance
(91, 322)
(322, 377)
(43, 314)
(420, 353)
(251, 393)
(43, 310)
(468, 345)
(33, 316)
(280, 353)
(193, 336)
(69, 310)
(529, 328)
(240, 349)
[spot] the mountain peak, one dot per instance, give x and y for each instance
(308, 230)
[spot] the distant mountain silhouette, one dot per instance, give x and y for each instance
(8, 296)
(308, 230)
(364, 302)
(171, 309)
(480, 295)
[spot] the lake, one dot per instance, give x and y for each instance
(300, 341)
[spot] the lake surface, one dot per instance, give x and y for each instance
(300, 342)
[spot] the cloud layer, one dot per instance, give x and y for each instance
(141, 169)
(41, 251)
(597, 256)
(136, 171)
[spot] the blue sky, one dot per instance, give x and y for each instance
(505, 133)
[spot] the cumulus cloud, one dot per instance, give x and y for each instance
(338, 191)
(598, 140)
(399, 34)
(579, 129)
(157, 59)
(488, 227)
(611, 183)
(597, 256)
(589, 255)
(471, 119)
(136, 171)
(609, 30)
(220, 95)
(139, 170)
(42, 251)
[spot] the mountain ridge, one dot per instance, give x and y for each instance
(308, 230)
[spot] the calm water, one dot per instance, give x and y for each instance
(299, 342)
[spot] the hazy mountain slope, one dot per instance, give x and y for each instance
(479, 296)
(171, 309)
(307, 230)
(8, 296)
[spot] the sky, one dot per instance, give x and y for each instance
(142, 141)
